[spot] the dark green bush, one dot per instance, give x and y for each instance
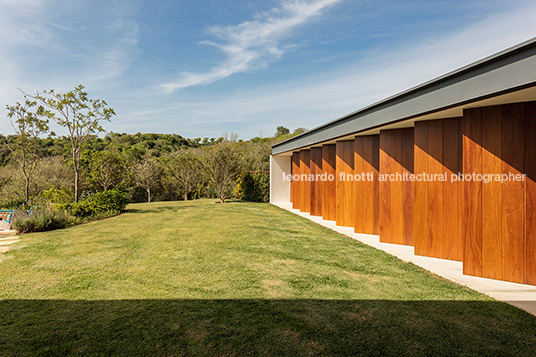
(101, 204)
(253, 187)
(262, 180)
(246, 189)
(40, 221)
(109, 200)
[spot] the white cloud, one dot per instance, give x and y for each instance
(52, 44)
(58, 44)
(253, 44)
(319, 98)
(116, 56)
(23, 23)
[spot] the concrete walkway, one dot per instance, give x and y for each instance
(520, 295)
(6, 239)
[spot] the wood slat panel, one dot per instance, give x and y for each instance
(359, 187)
(345, 166)
(408, 191)
(305, 190)
(437, 203)
(472, 192)
(491, 193)
(397, 188)
(460, 187)
(512, 197)
(435, 189)
(316, 185)
(452, 239)
(396, 192)
(385, 186)
(530, 193)
(421, 189)
(329, 191)
(371, 187)
(295, 184)
(375, 168)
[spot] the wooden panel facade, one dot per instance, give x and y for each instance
(498, 220)
(512, 193)
(491, 193)
(295, 184)
(487, 223)
(367, 189)
(385, 187)
(472, 192)
(530, 193)
(421, 190)
(437, 195)
(452, 189)
(316, 184)
(345, 211)
(305, 184)
(396, 190)
(329, 187)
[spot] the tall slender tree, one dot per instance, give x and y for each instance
(80, 115)
(147, 174)
(222, 166)
(29, 122)
(106, 169)
(185, 167)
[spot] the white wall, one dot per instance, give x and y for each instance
(280, 166)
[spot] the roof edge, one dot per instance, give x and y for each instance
(435, 81)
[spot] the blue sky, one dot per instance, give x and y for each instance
(203, 68)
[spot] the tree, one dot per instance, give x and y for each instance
(30, 122)
(106, 169)
(256, 155)
(147, 174)
(281, 130)
(80, 115)
(299, 131)
(185, 167)
(222, 165)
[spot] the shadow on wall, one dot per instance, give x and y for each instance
(264, 327)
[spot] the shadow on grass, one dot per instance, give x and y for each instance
(264, 327)
(249, 202)
(158, 209)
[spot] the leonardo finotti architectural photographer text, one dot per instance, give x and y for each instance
(406, 176)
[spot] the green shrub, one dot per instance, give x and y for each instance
(14, 203)
(40, 221)
(262, 180)
(99, 205)
(245, 188)
(110, 200)
(55, 195)
(253, 187)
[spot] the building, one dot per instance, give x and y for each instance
(448, 167)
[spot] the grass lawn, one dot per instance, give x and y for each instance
(199, 278)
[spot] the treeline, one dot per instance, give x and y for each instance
(145, 166)
(53, 145)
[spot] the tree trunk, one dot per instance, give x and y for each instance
(148, 195)
(186, 192)
(75, 168)
(76, 178)
(27, 190)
